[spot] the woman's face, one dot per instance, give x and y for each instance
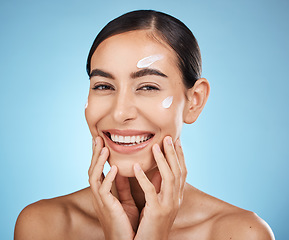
(134, 77)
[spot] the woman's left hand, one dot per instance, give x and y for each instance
(163, 196)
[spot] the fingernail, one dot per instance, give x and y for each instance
(169, 140)
(157, 148)
(95, 141)
(137, 167)
(102, 151)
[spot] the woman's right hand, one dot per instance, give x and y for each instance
(118, 218)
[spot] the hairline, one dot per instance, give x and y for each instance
(154, 34)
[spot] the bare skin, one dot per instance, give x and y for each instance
(205, 217)
(74, 216)
(145, 194)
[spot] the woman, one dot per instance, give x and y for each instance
(145, 82)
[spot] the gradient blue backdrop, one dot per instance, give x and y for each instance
(236, 151)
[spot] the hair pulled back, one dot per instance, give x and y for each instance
(171, 30)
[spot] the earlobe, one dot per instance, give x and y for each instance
(197, 97)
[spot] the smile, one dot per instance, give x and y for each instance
(127, 141)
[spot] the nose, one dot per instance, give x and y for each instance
(124, 108)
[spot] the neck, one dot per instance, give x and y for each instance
(137, 193)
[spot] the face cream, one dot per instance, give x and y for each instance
(167, 102)
(85, 106)
(147, 61)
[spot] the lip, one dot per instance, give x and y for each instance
(123, 148)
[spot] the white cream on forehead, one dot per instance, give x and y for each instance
(168, 102)
(147, 61)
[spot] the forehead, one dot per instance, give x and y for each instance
(132, 46)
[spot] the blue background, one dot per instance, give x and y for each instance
(236, 151)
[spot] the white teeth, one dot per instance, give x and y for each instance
(131, 140)
(114, 138)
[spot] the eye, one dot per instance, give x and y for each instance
(149, 88)
(103, 87)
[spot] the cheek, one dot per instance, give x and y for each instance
(167, 102)
(166, 113)
(95, 110)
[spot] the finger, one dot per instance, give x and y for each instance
(182, 162)
(156, 181)
(105, 189)
(96, 177)
(93, 144)
(96, 152)
(168, 179)
(146, 185)
(123, 189)
(173, 160)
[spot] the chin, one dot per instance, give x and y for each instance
(125, 171)
(125, 163)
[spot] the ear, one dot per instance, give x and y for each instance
(197, 97)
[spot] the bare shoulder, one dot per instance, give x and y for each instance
(45, 219)
(241, 224)
(38, 219)
(51, 218)
(207, 217)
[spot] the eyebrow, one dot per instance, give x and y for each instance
(98, 72)
(146, 72)
(134, 75)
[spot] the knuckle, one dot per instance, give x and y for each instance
(101, 191)
(185, 172)
(178, 174)
(166, 211)
(158, 214)
(172, 152)
(176, 204)
(170, 179)
(90, 181)
(151, 188)
(181, 154)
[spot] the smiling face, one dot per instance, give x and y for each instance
(125, 102)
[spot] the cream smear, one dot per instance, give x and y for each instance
(85, 106)
(147, 61)
(168, 102)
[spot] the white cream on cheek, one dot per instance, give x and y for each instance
(167, 102)
(147, 61)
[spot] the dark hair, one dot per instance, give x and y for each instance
(175, 33)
